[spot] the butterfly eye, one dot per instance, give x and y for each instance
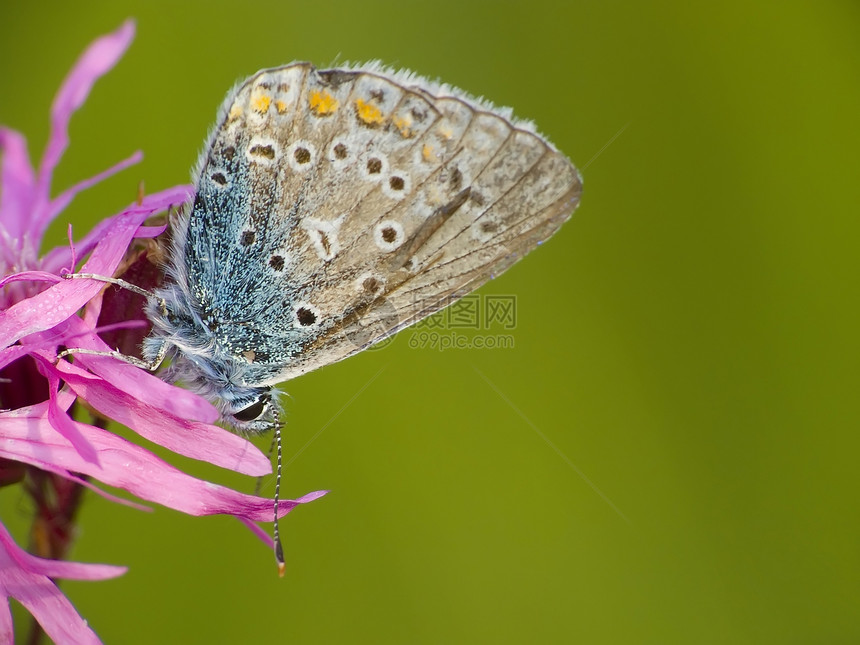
(252, 411)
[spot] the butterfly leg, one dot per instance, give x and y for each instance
(150, 366)
(133, 360)
(117, 281)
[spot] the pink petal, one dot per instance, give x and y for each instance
(46, 602)
(264, 536)
(56, 568)
(30, 276)
(54, 305)
(17, 183)
(44, 310)
(62, 422)
(27, 412)
(145, 386)
(196, 440)
(128, 324)
(11, 354)
(150, 231)
(61, 256)
(7, 628)
(40, 410)
(138, 383)
(310, 497)
(125, 465)
(59, 203)
(114, 242)
(98, 59)
(98, 491)
(28, 579)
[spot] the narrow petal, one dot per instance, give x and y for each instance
(125, 465)
(98, 59)
(40, 411)
(28, 579)
(103, 493)
(17, 184)
(62, 422)
(45, 310)
(196, 440)
(132, 380)
(120, 326)
(56, 304)
(27, 412)
(59, 203)
(7, 628)
(11, 354)
(264, 536)
(44, 600)
(114, 242)
(310, 497)
(136, 382)
(61, 256)
(30, 276)
(149, 231)
(126, 225)
(56, 568)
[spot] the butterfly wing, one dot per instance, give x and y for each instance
(336, 207)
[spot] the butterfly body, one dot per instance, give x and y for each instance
(334, 208)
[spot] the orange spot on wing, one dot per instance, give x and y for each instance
(261, 103)
(368, 113)
(428, 154)
(323, 103)
(404, 124)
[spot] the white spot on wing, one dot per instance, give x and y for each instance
(324, 236)
(262, 150)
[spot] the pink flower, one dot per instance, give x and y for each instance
(40, 312)
(28, 579)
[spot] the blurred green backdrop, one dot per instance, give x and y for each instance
(668, 452)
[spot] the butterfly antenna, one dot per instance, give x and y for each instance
(259, 485)
(279, 549)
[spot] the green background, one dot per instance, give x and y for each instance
(668, 454)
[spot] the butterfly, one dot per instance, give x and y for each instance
(334, 208)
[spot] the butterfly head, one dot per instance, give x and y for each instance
(255, 411)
